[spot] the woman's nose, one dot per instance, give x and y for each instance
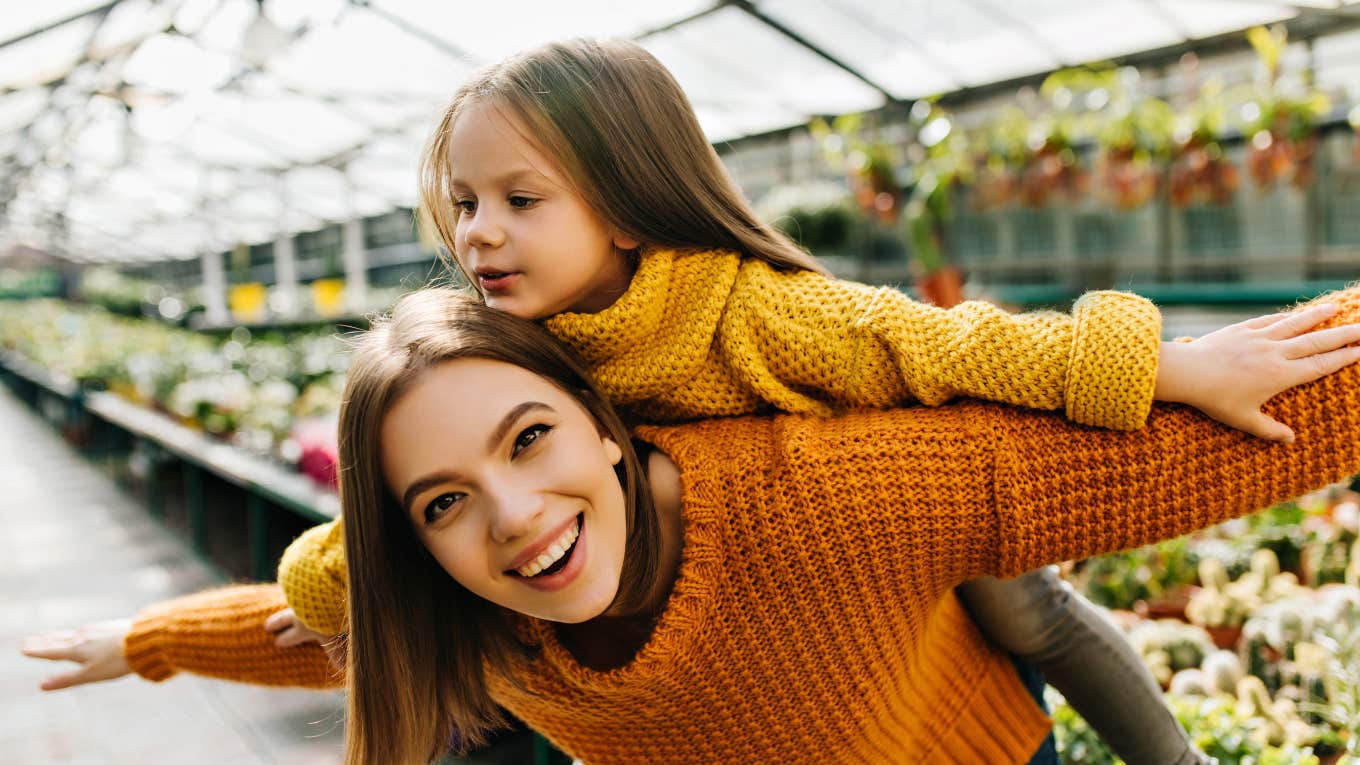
(515, 512)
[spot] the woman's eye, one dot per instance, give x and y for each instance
(441, 504)
(466, 205)
(522, 202)
(528, 436)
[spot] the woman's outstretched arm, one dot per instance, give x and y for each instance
(217, 633)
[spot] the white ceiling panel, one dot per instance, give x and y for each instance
(164, 128)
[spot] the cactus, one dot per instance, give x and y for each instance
(1168, 646)
(1228, 604)
(1222, 669)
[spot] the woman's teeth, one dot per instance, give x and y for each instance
(553, 554)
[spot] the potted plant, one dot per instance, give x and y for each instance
(1280, 127)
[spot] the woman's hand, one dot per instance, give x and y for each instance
(1230, 373)
(97, 648)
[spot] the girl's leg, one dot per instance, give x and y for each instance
(1040, 619)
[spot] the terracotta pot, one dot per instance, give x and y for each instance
(1225, 637)
(1163, 608)
(943, 288)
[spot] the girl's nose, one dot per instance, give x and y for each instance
(484, 229)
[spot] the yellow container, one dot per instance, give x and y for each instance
(328, 297)
(248, 302)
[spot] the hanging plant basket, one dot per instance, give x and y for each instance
(1127, 180)
(1274, 156)
(1201, 174)
(1052, 169)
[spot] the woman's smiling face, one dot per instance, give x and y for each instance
(510, 484)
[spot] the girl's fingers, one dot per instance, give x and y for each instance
(1269, 428)
(1295, 324)
(279, 620)
(1322, 364)
(289, 638)
(1321, 341)
(1263, 321)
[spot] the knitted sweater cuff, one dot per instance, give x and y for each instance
(1113, 370)
(314, 578)
(142, 645)
(220, 633)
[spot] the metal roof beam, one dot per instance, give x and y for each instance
(750, 9)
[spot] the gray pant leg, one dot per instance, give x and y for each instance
(1039, 618)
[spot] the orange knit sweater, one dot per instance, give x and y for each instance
(813, 617)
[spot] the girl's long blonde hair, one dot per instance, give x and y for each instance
(622, 131)
(420, 645)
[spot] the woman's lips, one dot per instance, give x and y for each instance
(575, 563)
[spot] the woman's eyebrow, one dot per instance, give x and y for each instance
(509, 419)
(426, 482)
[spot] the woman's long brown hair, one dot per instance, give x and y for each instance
(420, 645)
(622, 131)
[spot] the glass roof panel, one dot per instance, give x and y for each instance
(491, 31)
(19, 108)
(879, 39)
(772, 84)
(128, 23)
(213, 127)
(1205, 18)
(23, 18)
(361, 54)
(171, 64)
(46, 57)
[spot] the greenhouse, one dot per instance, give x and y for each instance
(243, 241)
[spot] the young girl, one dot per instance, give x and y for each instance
(736, 590)
(572, 184)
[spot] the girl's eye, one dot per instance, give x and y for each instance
(466, 205)
(441, 504)
(527, 437)
(522, 202)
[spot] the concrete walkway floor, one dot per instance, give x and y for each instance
(74, 549)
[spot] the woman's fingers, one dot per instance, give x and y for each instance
(1295, 324)
(52, 645)
(58, 682)
(1321, 341)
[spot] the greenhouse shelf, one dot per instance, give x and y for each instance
(264, 482)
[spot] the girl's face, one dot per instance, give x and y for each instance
(530, 244)
(512, 488)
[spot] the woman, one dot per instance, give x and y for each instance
(759, 591)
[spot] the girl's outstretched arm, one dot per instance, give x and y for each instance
(1064, 493)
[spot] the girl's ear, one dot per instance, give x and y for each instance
(625, 242)
(611, 450)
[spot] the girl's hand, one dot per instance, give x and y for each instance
(97, 648)
(1230, 373)
(289, 631)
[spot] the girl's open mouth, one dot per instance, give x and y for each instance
(496, 281)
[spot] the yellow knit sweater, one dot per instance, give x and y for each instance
(813, 618)
(709, 334)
